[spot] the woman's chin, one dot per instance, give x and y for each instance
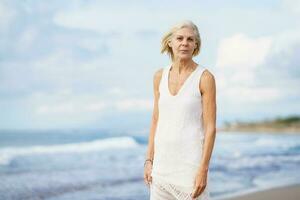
(184, 57)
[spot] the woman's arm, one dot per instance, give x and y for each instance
(209, 107)
(155, 114)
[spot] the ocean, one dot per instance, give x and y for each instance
(103, 165)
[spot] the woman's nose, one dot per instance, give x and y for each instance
(184, 42)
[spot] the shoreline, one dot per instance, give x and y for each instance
(290, 192)
(259, 131)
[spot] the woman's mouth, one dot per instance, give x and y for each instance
(184, 51)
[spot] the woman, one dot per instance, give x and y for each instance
(183, 127)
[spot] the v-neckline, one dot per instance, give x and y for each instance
(184, 83)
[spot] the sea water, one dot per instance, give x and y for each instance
(77, 165)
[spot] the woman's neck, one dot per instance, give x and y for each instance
(183, 65)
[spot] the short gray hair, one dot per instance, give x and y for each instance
(167, 37)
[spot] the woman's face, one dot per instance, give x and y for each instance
(183, 43)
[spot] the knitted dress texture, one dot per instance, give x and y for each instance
(179, 137)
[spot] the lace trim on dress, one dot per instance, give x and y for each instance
(177, 192)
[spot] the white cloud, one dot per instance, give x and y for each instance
(237, 59)
(70, 108)
(245, 95)
(240, 51)
(249, 70)
(134, 105)
(64, 103)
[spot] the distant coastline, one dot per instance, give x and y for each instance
(289, 124)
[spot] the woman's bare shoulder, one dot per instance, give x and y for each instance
(158, 74)
(157, 77)
(208, 75)
(207, 81)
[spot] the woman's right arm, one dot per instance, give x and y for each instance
(155, 114)
(154, 120)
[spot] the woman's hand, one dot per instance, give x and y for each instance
(199, 183)
(147, 173)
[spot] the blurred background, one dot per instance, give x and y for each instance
(76, 94)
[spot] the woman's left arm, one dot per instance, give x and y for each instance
(209, 108)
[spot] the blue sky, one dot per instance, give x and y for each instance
(90, 64)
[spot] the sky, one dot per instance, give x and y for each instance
(89, 64)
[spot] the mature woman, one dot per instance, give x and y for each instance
(183, 127)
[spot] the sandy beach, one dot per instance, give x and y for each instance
(287, 192)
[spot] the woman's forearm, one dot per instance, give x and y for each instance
(150, 150)
(208, 146)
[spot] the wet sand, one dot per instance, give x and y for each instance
(279, 193)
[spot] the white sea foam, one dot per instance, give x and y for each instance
(7, 154)
(263, 161)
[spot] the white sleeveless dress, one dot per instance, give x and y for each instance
(179, 138)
